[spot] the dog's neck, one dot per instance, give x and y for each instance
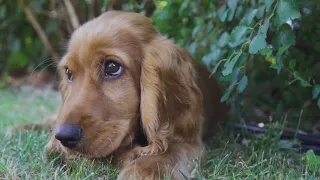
(140, 137)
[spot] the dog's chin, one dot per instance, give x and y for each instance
(86, 153)
(91, 150)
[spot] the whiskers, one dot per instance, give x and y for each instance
(126, 132)
(51, 61)
(112, 146)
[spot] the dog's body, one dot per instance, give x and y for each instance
(118, 75)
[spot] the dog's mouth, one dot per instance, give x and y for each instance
(90, 149)
(69, 144)
(94, 145)
(99, 140)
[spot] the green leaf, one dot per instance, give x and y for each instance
(3, 168)
(192, 48)
(231, 14)
(287, 10)
(318, 103)
(209, 27)
(312, 161)
(257, 43)
(286, 144)
(228, 66)
(274, 66)
(282, 50)
(292, 64)
(238, 36)
(234, 79)
(213, 56)
(279, 62)
(260, 12)
(303, 82)
(223, 40)
(222, 13)
(238, 13)
(195, 31)
(264, 28)
(235, 74)
(228, 92)
(232, 4)
(251, 15)
(216, 67)
(296, 75)
(183, 6)
(268, 4)
(3, 11)
(28, 40)
(315, 91)
(15, 46)
(287, 37)
(242, 84)
(266, 52)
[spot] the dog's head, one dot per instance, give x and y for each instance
(102, 86)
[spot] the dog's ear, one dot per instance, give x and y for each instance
(170, 98)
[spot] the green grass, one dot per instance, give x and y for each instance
(23, 156)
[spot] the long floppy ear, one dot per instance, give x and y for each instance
(170, 98)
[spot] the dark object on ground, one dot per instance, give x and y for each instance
(307, 141)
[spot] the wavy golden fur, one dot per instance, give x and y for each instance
(161, 91)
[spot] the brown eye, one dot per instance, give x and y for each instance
(112, 69)
(69, 74)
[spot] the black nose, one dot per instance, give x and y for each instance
(69, 135)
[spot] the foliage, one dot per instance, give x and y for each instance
(20, 48)
(251, 43)
(262, 51)
(312, 161)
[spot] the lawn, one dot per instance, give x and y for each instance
(23, 156)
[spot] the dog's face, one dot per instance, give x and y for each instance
(100, 84)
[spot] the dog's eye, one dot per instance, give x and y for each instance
(112, 69)
(69, 74)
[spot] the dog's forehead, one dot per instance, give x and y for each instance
(98, 33)
(96, 36)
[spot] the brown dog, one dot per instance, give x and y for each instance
(120, 74)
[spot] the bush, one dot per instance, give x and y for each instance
(264, 51)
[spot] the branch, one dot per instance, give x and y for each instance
(91, 9)
(53, 4)
(31, 18)
(72, 14)
(115, 5)
(149, 6)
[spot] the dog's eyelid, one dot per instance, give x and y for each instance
(64, 67)
(104, 59)
(69, 73)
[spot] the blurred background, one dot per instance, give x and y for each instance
(265, 53)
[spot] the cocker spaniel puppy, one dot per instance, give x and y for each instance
(119, 76)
